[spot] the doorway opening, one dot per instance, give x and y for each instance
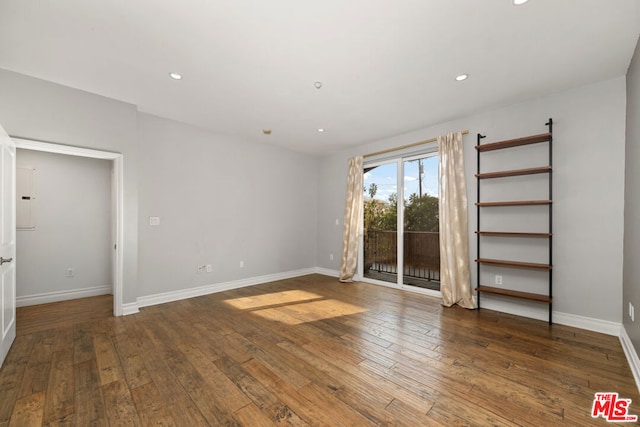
(116, 160)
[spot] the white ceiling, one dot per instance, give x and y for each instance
(387, 67)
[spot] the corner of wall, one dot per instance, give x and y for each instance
(631, 354)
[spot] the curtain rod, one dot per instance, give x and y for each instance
(402, 147)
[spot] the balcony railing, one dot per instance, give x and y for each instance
(421, 254)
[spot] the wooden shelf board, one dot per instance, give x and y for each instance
(514, 203)
(517, 294)
(515, 172)
(506, 263)
(533, 139)
(512, 234)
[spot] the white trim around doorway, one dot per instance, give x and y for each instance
(117, 159)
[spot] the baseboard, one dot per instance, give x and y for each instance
(219, 287)
(632, 355)
(596, 325)
(130, 308)
(327, 272)
(542, 313)
(62, 295)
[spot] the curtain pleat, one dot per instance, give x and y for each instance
(455, 275)
(352, 220)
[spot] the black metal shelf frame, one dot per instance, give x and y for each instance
(479, 176)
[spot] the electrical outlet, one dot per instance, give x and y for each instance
(631, 312)
(201, 268)
(330, 257)
(498, 280)
(241, 264)
(209, 268)
(70, 272)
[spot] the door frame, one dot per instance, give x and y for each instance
(117, 190)
(399, 160)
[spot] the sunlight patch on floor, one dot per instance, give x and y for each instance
(298, 313)
(294, 307)
(275, 298)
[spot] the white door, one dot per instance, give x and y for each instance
(7, 244)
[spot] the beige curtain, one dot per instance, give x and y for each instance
(352, 218)
(455, 276)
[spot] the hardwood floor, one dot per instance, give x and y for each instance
(304, 351)
(36, 318)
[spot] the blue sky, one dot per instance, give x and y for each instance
(385, 178)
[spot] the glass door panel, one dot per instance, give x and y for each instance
(421, 238)
(381, 222)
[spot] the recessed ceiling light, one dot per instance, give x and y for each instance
(318, 85)
(462, 77)
(519, 2)
(175, 76)
(320, 129)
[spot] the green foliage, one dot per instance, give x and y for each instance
(373, 212)
(421, 213)
(389, 219)
(373, 189)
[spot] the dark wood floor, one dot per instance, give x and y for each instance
(305, 351)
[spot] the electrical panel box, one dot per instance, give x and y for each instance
(25, 195)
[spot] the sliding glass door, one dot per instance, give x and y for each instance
(380, 237)
(421, 240)
(401, 243)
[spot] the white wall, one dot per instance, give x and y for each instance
(220, 201)
(632, 202)
(276, 232)
(36, 109)
(73, 229)
(588, 191)
(249, 202)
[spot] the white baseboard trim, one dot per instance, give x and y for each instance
(219, 287)
(589, 323)
(632, 355)
(49, 297)
(130, 308)
(542, 313)
(327, 272)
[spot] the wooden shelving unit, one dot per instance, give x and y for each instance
(514, 203)
(480, 205)
(533, 139)
(514, 263)
(516, 172)
(515, 294)
(512, 234)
